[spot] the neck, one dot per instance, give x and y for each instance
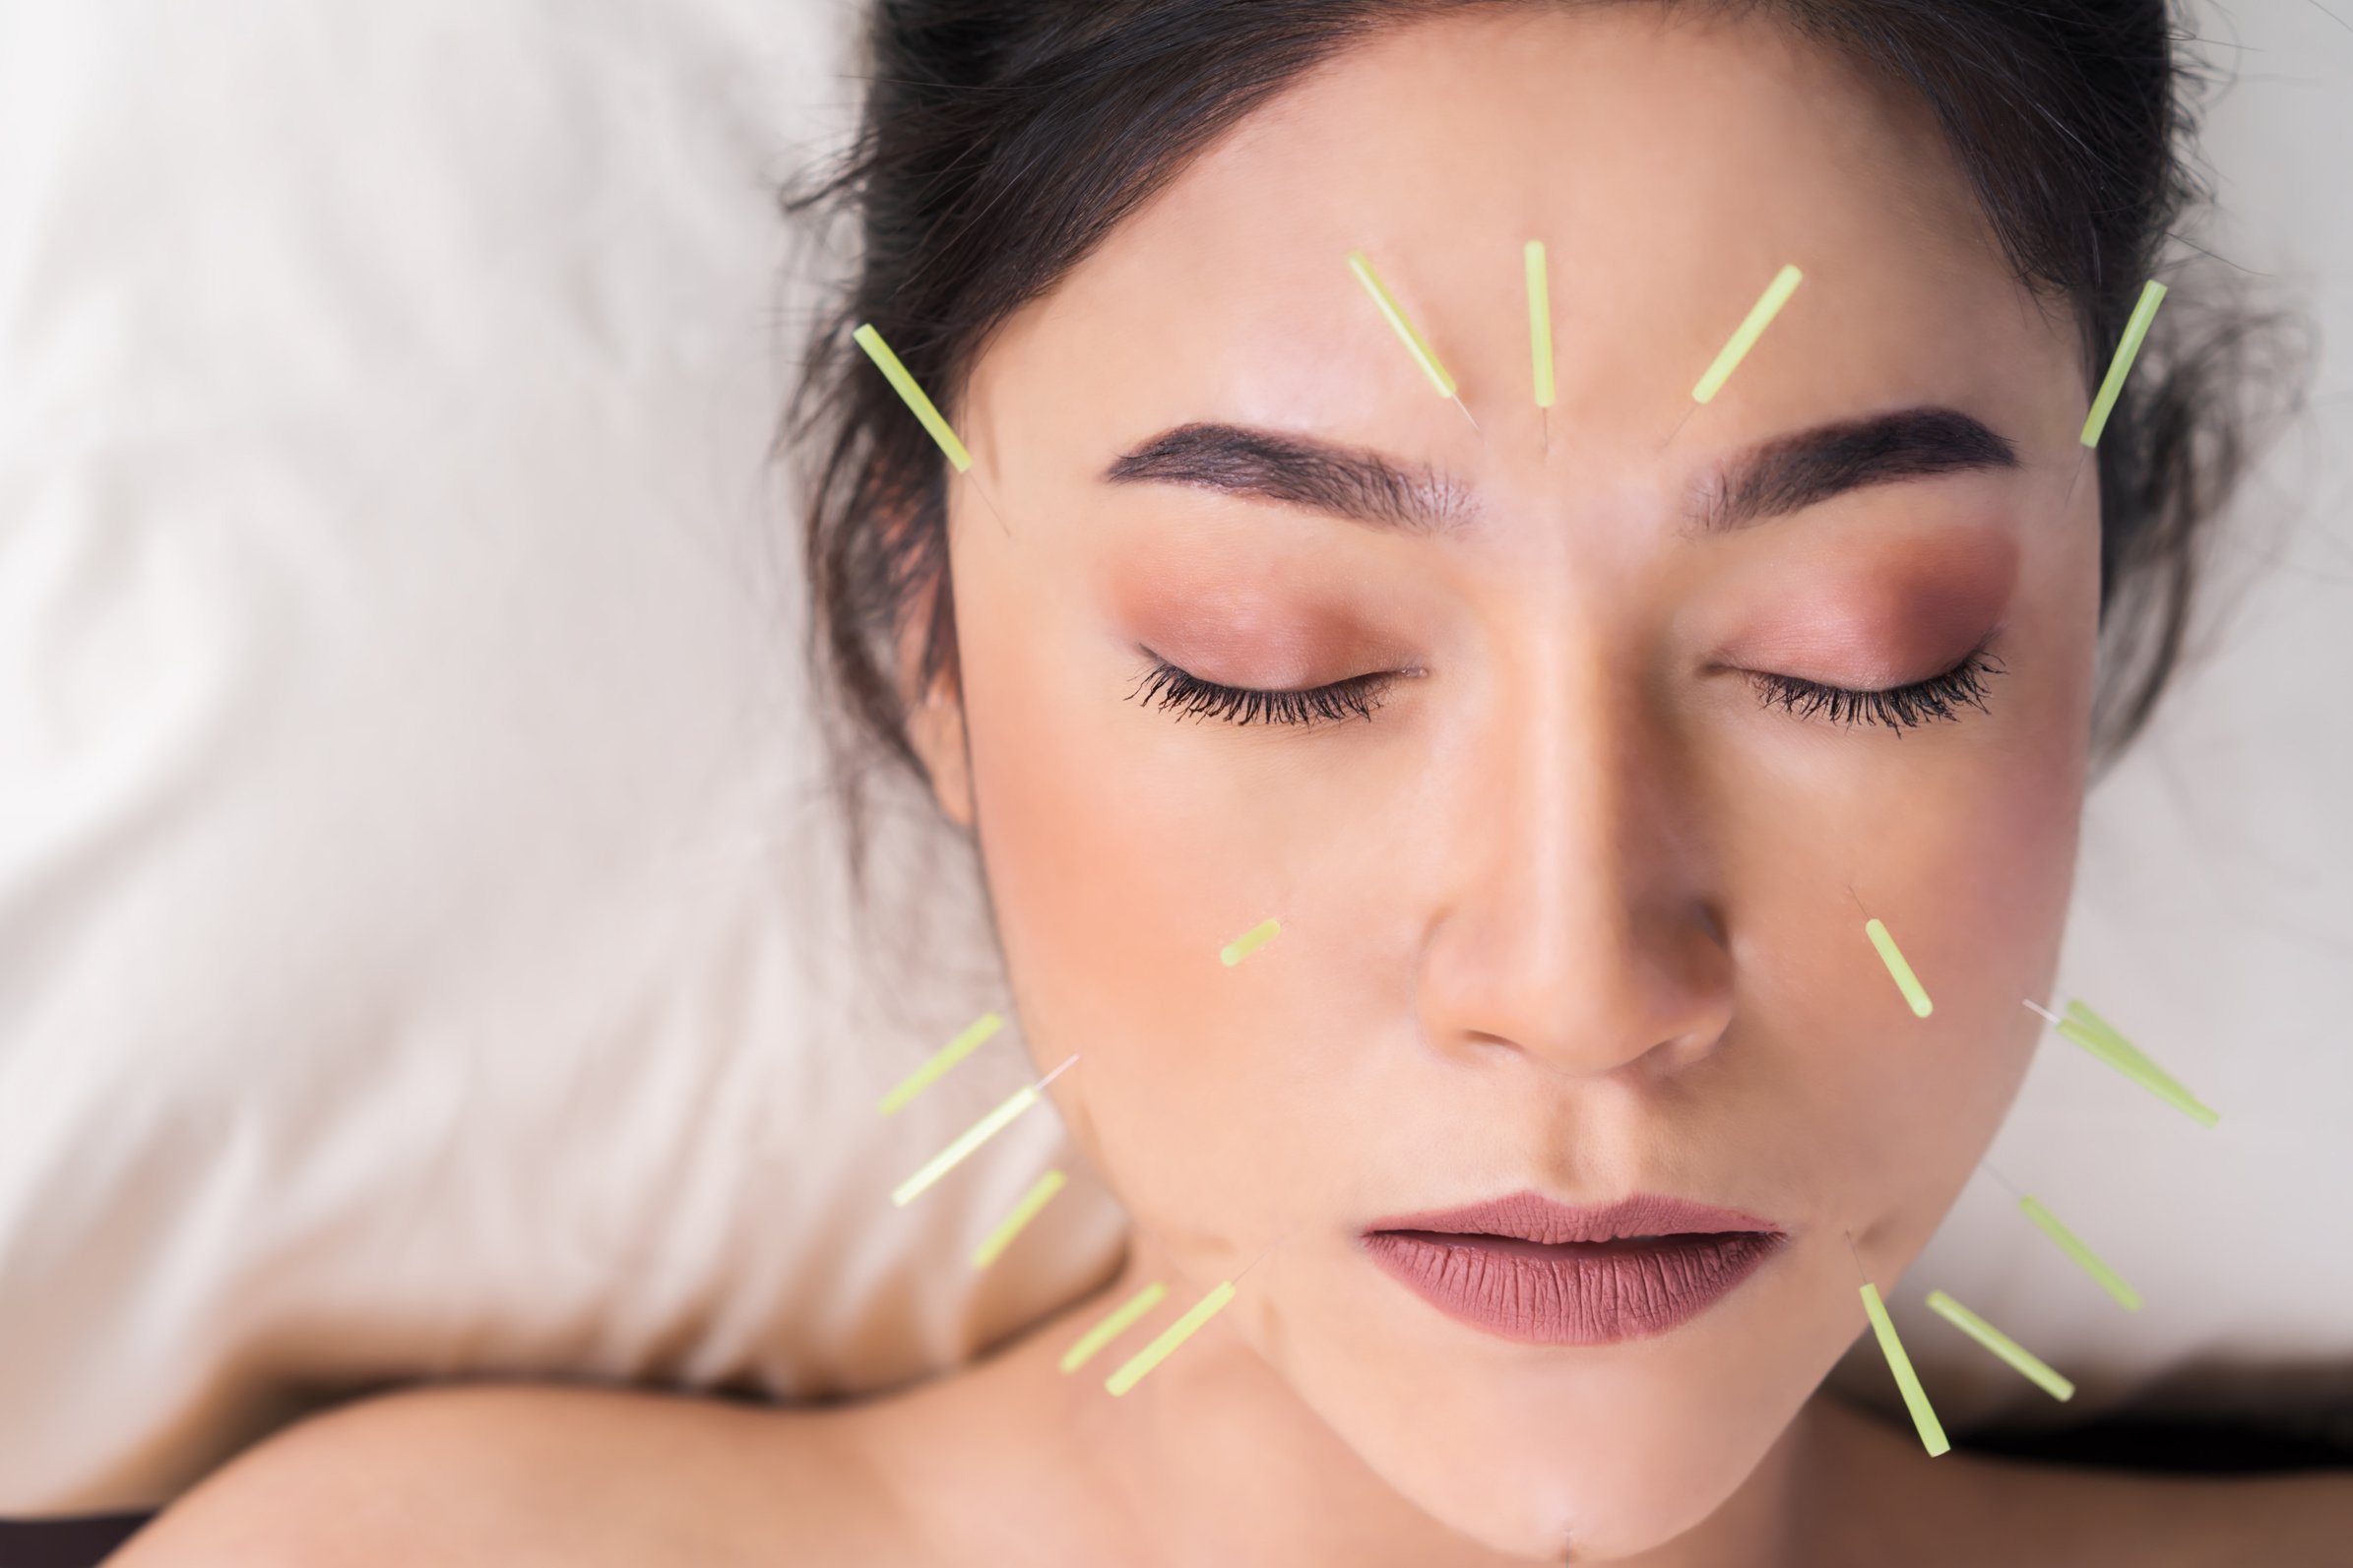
(1213, 1459)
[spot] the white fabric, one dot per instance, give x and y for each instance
(421, 945)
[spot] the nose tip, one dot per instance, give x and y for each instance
(1647, 990)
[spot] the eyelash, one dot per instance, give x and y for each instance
(1898, 708)
(1166, 686)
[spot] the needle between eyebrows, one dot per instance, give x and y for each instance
(1540, 335)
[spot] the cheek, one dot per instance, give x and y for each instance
(1122, 851)
(1966, 853)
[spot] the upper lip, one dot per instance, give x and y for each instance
(1533, 1217)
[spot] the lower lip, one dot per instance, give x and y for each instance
(1579, 1292)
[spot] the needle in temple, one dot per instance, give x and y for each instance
(2152, 294)
(925, 412)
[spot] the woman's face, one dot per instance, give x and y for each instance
(1567, 905)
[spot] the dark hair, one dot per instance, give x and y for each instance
(1004, 139)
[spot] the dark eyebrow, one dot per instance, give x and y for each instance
(1298, 471)
(1801, 470)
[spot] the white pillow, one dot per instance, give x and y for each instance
(423, 944)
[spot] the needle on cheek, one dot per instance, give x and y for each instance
(1250, 941)
(1042, 1192)
(973, 1137)
(2084, 1258)
(1112, 1325)
(947, 1056)
(2097, 1036)
(1901, 970)
(2028, 1364)
(1907, 1381)
(1151, 1355)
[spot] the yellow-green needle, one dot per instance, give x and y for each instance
(2035, 1369)
(1394, 314)
(1761, 316)
(1038, 1197)
(1924, 1416)
(1905, 981)
(2152, 294)
(2096, 1035)
(947, 1056)
(1175, 1333)
(973, 1137)
(1113, 1324)
(2085, 1259)
(1250, 941)
(896, 373)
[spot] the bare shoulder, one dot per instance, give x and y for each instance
(520, 1474)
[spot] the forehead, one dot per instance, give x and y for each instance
(1670, 167)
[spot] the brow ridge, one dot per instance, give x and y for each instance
(1346, 481)
(1795, 471)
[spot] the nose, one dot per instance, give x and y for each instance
(1581, 924)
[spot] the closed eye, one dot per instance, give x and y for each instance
(1897, 708)
(1167, 688)
(1939, 697)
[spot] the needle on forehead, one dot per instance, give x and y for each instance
(1394, 314)
(1540, 333)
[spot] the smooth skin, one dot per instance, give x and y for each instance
(1569, 908)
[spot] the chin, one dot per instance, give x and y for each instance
(1616, 1449)
(1607, 1500)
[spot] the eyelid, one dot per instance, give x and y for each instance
(1165, 685)
(1937, 697)
(1906, 707)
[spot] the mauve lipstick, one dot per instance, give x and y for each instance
(1526, 1268)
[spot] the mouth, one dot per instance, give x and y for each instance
(1527, 1269)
